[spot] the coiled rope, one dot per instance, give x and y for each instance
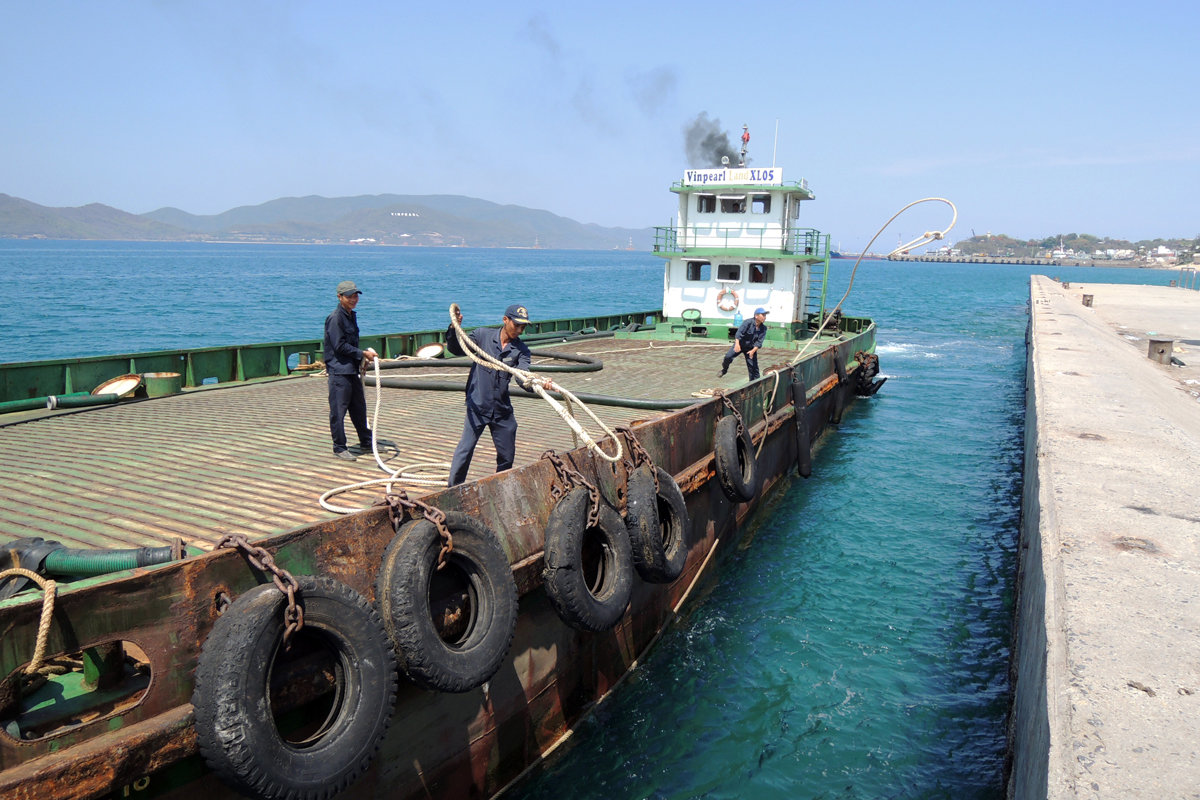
(540, 386)
(926, 238)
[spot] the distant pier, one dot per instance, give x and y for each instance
(1107, 677)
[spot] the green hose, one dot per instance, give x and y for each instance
(86, 563)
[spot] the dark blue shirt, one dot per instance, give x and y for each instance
(342, 355)
(750, 335)
(487, 389)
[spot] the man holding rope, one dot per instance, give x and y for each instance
(749, 339)
(488, 403)
(342, 359)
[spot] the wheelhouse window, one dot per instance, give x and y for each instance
(706, 203)
(699, 271)
(760, 203)
(762, 273)
(733, 203)
(730, 273)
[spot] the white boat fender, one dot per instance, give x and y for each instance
(443, 640)
(589, 570)
(244, 652)
(737, 469)
(657, 522)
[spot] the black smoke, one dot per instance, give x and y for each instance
(705, 143)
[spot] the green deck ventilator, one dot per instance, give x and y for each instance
(189, 378)
(239, 370)
(68, 387)
(283, 368)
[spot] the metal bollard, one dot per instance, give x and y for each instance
(1087, 300)
(1160, 350)
(1066, 284)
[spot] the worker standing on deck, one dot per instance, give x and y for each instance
(748, 341)
(488, 402)
(342, 360)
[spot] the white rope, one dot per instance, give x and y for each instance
(928, 237)
(766, 408)
(412, 474)
(540, 386)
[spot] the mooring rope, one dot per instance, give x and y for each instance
(927, 237)
(49, 591)
(542, 386)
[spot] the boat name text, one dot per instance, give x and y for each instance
(767, 176)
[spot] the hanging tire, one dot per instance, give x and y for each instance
(259, 731)
(589, 571)
(737, 471)
(451, 627)
(657, 525)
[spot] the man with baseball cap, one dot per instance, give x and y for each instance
(342, 359)
(488, 403)
(749, 339)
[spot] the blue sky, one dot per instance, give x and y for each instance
(1034, 118)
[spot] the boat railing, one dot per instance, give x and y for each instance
(805, 242)
(211, 365)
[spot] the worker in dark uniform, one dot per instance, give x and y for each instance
(488, 403)
(748, 341)
(342, 360)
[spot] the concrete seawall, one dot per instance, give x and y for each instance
(1107, 657)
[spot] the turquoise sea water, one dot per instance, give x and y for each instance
(853, 645)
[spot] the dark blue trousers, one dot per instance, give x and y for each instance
(751, 361)
(346, 394)
(504, 437)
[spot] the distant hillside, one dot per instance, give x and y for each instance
(366, 219)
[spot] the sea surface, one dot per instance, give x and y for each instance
(855, 642)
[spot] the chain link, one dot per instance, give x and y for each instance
(571, 478)
(741, 426)
(263, 561)
(400, 505)
(640, 454)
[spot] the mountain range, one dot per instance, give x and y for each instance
(392, 219)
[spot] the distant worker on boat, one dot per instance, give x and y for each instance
(488, 403)
(342, 360)
(748, 341)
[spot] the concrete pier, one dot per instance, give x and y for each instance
(1107, 660)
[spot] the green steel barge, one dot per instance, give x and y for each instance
(193, 623)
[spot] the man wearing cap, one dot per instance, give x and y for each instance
(749, 339)
(488, 403)
(342, 359)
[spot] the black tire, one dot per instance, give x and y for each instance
(474, 596)
(245, 732)
(803, 440)
(737, 471)
(589, 571)
(657, 525)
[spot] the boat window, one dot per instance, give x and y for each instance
(760, 203)
(762, 273)
(733, 203)
(795, 208)
(706, 203)
(699, 271)
(729, 272)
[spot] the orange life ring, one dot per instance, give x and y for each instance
(722, 304)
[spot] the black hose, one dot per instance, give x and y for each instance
(516, 391)
(579, 363)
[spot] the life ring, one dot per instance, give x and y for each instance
(589, 571)
(737, 471)
(725, 305)
(242, 672)
(657, 524)
(451, 627)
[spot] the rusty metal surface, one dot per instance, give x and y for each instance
(253, 459)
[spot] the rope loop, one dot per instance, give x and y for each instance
(49, 593)
(263, 561)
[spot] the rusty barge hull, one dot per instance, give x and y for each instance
(439, 744)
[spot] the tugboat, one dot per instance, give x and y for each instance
(188, 622)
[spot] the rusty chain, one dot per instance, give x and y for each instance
(640, 454)
(571, 478)
(263, 561)
(741, 426)
(399, 504)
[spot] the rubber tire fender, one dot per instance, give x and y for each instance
(478, 568)
(737, 470)
(235, 728)
(587, 599)
(657, 525)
